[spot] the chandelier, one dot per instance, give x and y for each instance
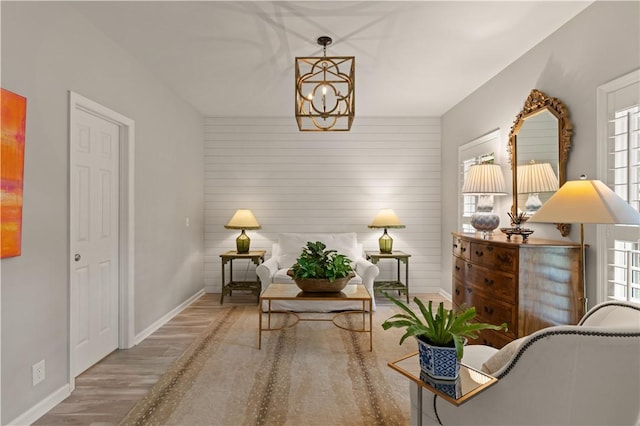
(325, 91)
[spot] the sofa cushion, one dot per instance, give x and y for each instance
(291, 245)
(503, 356)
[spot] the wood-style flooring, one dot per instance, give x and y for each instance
(106, 392)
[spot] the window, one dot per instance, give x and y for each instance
(619, 146)
(475, 152)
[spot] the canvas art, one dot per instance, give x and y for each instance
(13, 123)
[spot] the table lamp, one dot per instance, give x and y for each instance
(586, 201)
(484, 180)
(386, 218)
(243, 219)
(533, 179)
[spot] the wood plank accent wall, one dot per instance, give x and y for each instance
(325, 182)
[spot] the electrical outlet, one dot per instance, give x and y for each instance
(37, 372)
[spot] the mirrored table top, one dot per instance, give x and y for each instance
(469, 383)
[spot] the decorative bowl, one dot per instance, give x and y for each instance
(321, 285)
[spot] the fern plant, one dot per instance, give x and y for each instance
(316, 262)
(442, 327)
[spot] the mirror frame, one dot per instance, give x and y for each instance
(536, 102)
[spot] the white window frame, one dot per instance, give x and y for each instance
(471, 152)
(603, 94)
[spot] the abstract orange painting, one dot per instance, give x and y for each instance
(13, 122)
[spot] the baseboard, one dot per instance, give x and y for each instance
(445, 294)
(42, 407)
(166, 318)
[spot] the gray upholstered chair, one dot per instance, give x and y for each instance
(587, 374)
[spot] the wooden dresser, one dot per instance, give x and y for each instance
(529, 285)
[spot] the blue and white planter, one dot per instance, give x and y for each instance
(437, 361)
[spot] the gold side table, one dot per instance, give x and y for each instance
(256, 257)
(397, 284)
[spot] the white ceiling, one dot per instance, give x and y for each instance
(415, 58)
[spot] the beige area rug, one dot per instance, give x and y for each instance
(311, 374)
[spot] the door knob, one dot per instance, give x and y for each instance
(77, 257)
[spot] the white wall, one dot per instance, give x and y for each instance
(48, 50)
(325, 182)
(598, 45)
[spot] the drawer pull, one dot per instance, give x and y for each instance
(488, 310)
(457, 268)
(457, 292)
(488, 282)
(490, 248)
(455, 246)
(469, 290)
(479, 253)
(503, 258)
(463, 249)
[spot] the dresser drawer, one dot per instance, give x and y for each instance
(494, 312)
(493, 256)
(496, 339)
(461, 293)
(461, 248)
(459, 269)
(491, 282)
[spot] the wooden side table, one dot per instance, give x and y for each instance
(397, 284)
(256, 257)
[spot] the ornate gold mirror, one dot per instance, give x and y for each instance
(539, 144)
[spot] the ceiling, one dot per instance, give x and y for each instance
(414, 58)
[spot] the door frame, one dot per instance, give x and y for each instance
(126, 255)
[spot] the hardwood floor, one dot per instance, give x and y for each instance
(106, 392)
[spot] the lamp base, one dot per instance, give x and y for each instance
(385, 242)
(243, 242)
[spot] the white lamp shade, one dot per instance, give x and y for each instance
(586, 201)
(484, 179)
(243, 219)
(386, 218)
(536, 178)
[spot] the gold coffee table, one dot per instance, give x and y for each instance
(291, 292)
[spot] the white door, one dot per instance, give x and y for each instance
(94, 165)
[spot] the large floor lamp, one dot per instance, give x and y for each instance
(586, 201)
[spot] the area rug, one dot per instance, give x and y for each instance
(311, 374)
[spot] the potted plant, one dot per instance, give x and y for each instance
(441, 334)
(320, 270)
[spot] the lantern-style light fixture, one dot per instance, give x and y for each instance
(325, 91)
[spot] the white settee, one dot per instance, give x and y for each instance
(286, 251)
(587, 374)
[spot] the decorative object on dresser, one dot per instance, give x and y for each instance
(541, 132)
(243, 219)
(441, 334)
(386, 218)
(527, 285)
(586, 201)
(325, 91)
(321, 271)
(484, 180)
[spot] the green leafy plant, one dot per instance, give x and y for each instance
(442, 327)
(316, 262)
